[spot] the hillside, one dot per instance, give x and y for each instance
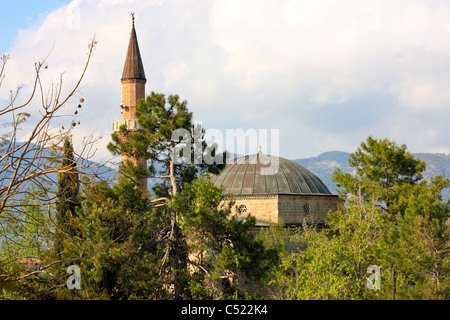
(325, 164)
(90, 169)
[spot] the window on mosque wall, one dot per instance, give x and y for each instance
(306, 208)
(242, 208)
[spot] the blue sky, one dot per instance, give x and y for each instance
(20, 14)
(325, 74)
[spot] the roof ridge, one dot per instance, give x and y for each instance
(285, 177)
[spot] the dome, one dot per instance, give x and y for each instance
(254, 175)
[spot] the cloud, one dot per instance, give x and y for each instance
(175, 72)
(326, 73)
(421, 94)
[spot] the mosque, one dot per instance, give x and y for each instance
(290, 194)
(272, 189)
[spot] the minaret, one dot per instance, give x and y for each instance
(133, 88)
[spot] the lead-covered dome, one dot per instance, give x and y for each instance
(261, 174)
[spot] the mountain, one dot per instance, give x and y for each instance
(324, 165)
(87, 168)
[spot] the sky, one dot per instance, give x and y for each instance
(297, 77)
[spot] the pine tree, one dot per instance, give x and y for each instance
(412, 246)
(171, 230)
(382, 167)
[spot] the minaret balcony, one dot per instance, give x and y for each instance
(131, 124)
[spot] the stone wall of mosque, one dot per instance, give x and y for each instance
(296, 209)
(286, 209)
(263, 207)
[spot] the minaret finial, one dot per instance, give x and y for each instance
(132, 17)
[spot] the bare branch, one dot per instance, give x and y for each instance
(21, 163)
(29, 169)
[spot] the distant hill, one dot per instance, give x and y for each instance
(88, 168)
(324, 165)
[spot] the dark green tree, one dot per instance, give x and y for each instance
(181, 243)
(223, 252)
(166, 141)
(68, 199)
(119, 227)
(412, 235)
(175, 158)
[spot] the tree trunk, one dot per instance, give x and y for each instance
(178, 246)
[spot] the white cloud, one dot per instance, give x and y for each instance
(421, 94)
(175, 72)
(258, 64)
(328, 94)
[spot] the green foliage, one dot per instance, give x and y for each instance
(116, 228)
(417, 244)
(130, 246)
(392, 219)
(129, 240)
(381, 167)
(330, 263)
(160, 116)
(68, 205)
(222, 245)
(27, 233)
(38, 237)
(386, 163)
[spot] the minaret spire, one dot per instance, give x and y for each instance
(133, 68)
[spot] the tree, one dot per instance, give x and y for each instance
(330, 263)
(413, 242)
(25, 241)
(160, 118)
(118, 225)
(222, 251)
(28, 170)
(393, 221)
(198, 246)
(34, 161)
(416, 250)
(164, 121)
(381, 166)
